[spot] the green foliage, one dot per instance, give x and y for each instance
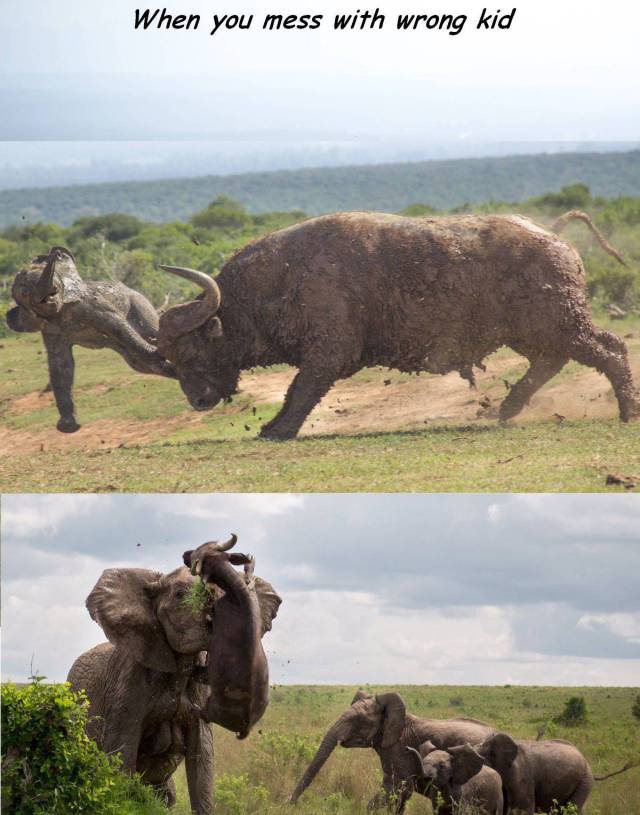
(196, 598)
(386, 187)
(235, 795)
(222, 213)
(574, 713)
(116, 227)
(635, 709)
(573, 196)
(416, 210)
(51, 767)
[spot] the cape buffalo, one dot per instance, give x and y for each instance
(337, 293)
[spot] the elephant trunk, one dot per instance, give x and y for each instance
(328, 743)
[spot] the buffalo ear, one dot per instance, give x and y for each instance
(121, 603)
(238, 559)
(186, 558)
(500, 752)
(214, 328)
(466, 763)
(269, 601)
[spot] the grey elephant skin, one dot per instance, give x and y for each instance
(454, 777)
(538, 776)
(341, 292)
(238, 673)
(146, 686)
(382, 723)
(52, 298)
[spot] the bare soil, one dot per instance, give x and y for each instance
(386, 401)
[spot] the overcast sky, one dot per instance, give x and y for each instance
(377, 588)
(564, 70)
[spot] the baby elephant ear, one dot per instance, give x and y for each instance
(426, 747)
(121, 603)
(466, 763)
(415, 758)
(269, 601)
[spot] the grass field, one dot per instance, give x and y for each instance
(257, 775)
(379, 431)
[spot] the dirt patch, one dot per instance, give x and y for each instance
(386, 401)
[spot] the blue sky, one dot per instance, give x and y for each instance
(459, 589)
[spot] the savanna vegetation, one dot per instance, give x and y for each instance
(139, 434)
(385, 187)
(256, 776)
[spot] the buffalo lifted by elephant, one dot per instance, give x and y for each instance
(238, 677)
(147, 686)
(381, 722)
(52, 298)
(338, 293)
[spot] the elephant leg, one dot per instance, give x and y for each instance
(608, 354)
(582, 792)
(306, 390)
(61, 370)
(199, 766)
(541, 370)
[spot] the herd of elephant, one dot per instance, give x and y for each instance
(336, 294)
(177, 661)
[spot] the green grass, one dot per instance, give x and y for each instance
(258, 775)
(220, 454)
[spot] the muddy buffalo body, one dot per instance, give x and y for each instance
(342, 292)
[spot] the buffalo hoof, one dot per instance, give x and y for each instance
(68, 425)
(271, 434)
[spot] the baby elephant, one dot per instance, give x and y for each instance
(54, 299)
(539, 776)
(238, 674)
(455, 779)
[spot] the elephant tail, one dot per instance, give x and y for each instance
(577, 215)
(626, 767)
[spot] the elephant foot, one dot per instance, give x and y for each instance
(68, 425)
(273, 433)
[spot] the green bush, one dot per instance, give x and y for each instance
(51, 767)
(635, 710)
(574, 713)
(234, 795)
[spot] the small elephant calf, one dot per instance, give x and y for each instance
(454, 778)
(52, 298)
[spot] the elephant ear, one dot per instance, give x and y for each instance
(269, 601)
(465, 763)
(502, 751)
(121, 603)
(393, 722)
(361, 695)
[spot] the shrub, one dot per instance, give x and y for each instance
(635, 709)
(222, 213)
(51, 767)
(233, 795)
(574, 713)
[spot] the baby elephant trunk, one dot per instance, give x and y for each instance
(237, 673)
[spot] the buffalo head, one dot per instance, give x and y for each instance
(191, 337)
(42, 290)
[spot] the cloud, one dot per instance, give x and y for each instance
(376, 588)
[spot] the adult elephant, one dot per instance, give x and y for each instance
(52, 298)
(382, 723)
(540, 776)
(147, 685)
(338, 293)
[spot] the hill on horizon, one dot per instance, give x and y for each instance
(389, 187)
